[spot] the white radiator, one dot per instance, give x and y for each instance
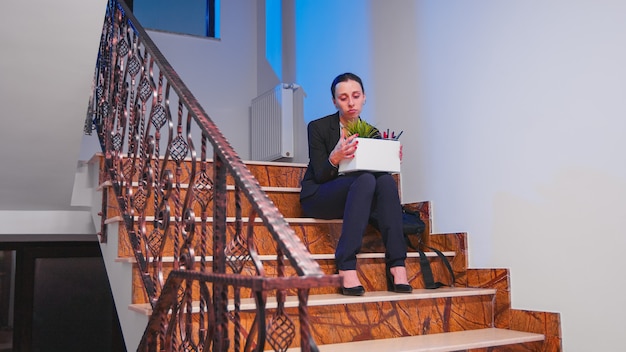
(272, 122)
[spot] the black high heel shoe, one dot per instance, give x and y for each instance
(353, 291)
(399, 288)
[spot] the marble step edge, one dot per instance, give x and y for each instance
(325, 256)
(228, 187)
(98, 155)
(336, 298)
(231, 219)
(440, 342)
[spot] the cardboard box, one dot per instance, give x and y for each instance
(374, 155)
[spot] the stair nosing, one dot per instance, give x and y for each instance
(439, 342)
(99, 155)
(232, 219)
(336, 298)
(325, 256)
(228, 187)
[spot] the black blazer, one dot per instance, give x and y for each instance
(323, 135)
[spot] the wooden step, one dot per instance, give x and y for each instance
(371, 269)
(267, 173)
(327, 256)
(336, 299)
(319, 236)
(395, 321)
(442, 342)
(286, 199)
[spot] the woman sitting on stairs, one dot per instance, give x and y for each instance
(353, 196)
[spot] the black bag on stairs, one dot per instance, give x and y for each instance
(414, 225)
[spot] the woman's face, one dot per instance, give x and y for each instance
(349, 99)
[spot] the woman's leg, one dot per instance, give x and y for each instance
(389, 216)
(349, 197)
(388, 211)
(329, 200)
(355, 220)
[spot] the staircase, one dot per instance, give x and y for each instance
(206, 252)
(474, 315)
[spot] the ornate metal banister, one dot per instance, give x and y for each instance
(151, 161)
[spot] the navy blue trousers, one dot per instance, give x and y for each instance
(353, 197)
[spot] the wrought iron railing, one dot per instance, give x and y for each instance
(151, 162)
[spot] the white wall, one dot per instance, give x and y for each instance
(221, 74)
(332, 37)
(46, 71)
(525, 103)
(514, 120)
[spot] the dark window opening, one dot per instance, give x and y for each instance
(194, 17)
(55, 296)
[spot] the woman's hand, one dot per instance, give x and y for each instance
(344, 149)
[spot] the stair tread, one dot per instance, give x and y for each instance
(299, 220)
(327, 256)
(228, 187)
(335, 298)
(441, 342)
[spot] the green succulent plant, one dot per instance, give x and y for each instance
(362, 128)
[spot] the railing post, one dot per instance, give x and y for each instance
(220, 290)
(306, 340)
